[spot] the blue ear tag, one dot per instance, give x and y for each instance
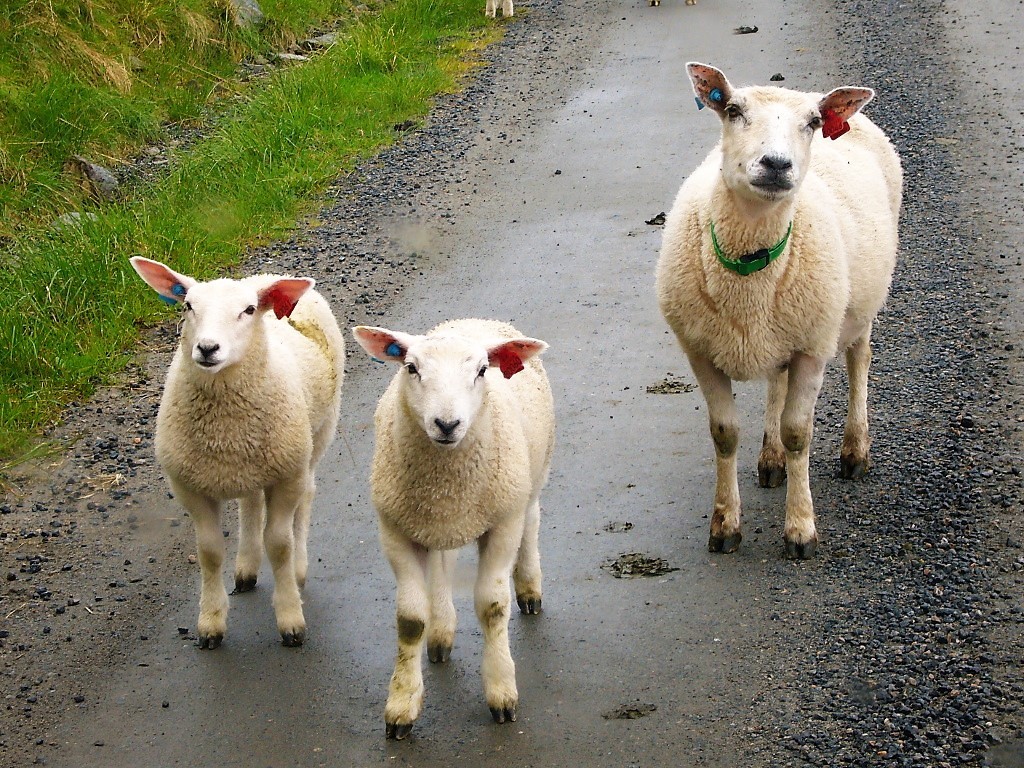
(700, 104)
(393, 350)
(715, 95)
(166, 299)
(178, 289)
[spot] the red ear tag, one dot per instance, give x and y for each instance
(508, 362)
(832, 125)
(283, 306)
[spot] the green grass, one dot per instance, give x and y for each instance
(70, 306)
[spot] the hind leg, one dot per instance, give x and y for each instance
(441, 627)
(854, 457)
(527, 574)
(251, 515)
(771, 464)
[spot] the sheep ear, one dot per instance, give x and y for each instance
(838, 106)
(710, 85)
(282, 295)
(510, 355)
(382, 344)
(171, 286)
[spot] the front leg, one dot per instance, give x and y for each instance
(213, 597)
(724, 423)
(492, 597)
(805, 377)
(405, 692)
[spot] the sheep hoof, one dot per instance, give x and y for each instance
(244, 584)
(853, 469)
(210, 642)
(529, 605)
(397, 731)
(504, 714)
(771, 477)
(438, 653)
(797, 551)
(724, 544)
(293, 639)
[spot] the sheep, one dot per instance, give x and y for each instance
(464, 436)
(492, 9)
(249, 407)
(774, 258)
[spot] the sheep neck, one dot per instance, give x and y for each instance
(745, 228)
(750, 263)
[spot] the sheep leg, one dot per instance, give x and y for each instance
(300, 530)
(213, 597)
(854, 457)
(405, 692)
(724, 423)
(441, 634)
(771, 464)
(506, 8)
(527, 574)
(492, 8)
(805, 377)
(251, 515)
(279, 539)
(492, 597)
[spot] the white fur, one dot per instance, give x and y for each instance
(462, 453)
(783, 323)
(249, 407)
(492, 8)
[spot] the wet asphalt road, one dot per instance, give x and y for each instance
(582, 130)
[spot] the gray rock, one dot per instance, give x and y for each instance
(246, 13)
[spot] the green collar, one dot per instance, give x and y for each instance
(751, 262)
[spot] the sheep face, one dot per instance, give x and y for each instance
(767, 132)
(445, 378)
(444, 385)
(220, 319)
(221, 316)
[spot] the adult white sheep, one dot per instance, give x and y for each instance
(775, 257)
(249, 407)
(464, 435)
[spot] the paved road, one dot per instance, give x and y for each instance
(586, 130)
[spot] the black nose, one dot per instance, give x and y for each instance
(207, 351)
(447, 427)
(776, 162)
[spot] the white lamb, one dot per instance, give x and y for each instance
(249, 407)
(463, 448)
(774, 259)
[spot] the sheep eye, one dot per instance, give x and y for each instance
(483, 370)
(412, 369)
(250, 310)
(815, 123)
(188, 307)
(733, 112)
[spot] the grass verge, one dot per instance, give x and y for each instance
(70, 307)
